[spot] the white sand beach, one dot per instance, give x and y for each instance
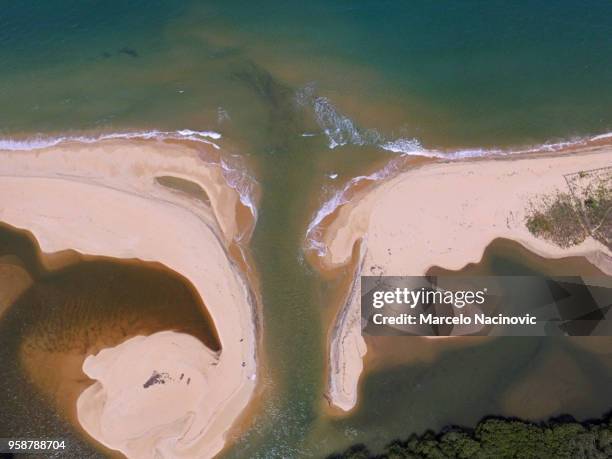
(103, 199)
(442, 214)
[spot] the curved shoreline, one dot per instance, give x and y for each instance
(439, 214)
(398, 164)
(102, 199)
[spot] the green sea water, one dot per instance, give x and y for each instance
(470, 73)
(283, 82)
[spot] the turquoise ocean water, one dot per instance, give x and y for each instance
(304, 92)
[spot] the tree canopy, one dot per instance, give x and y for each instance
(499, 438)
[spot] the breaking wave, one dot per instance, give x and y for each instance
(237, 178)
(41, 141)
(341, 130)
(407, 147)
(339, 198)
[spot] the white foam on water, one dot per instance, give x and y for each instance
(42, 141)
(339, 198)
(237, 178)
(339, 129)
(199, 134)
(404, 146)
(607, 135)
(412, 147)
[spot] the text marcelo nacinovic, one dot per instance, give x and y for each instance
(500, 305)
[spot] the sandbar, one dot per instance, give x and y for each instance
(442, 214)
(163, 395)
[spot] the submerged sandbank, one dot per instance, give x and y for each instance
(102, 199)
(441, 214)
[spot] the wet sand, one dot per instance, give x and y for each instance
(104, 199)
(443, 214)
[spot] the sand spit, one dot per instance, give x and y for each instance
(164, 395)
(441, 214)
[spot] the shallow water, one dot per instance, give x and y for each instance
(469, 74)
(64, 314)
(283, 82)
(414, 384)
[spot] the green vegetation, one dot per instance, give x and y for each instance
(568, 218)
(557, 220)
(597, 208)
(498, 438)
